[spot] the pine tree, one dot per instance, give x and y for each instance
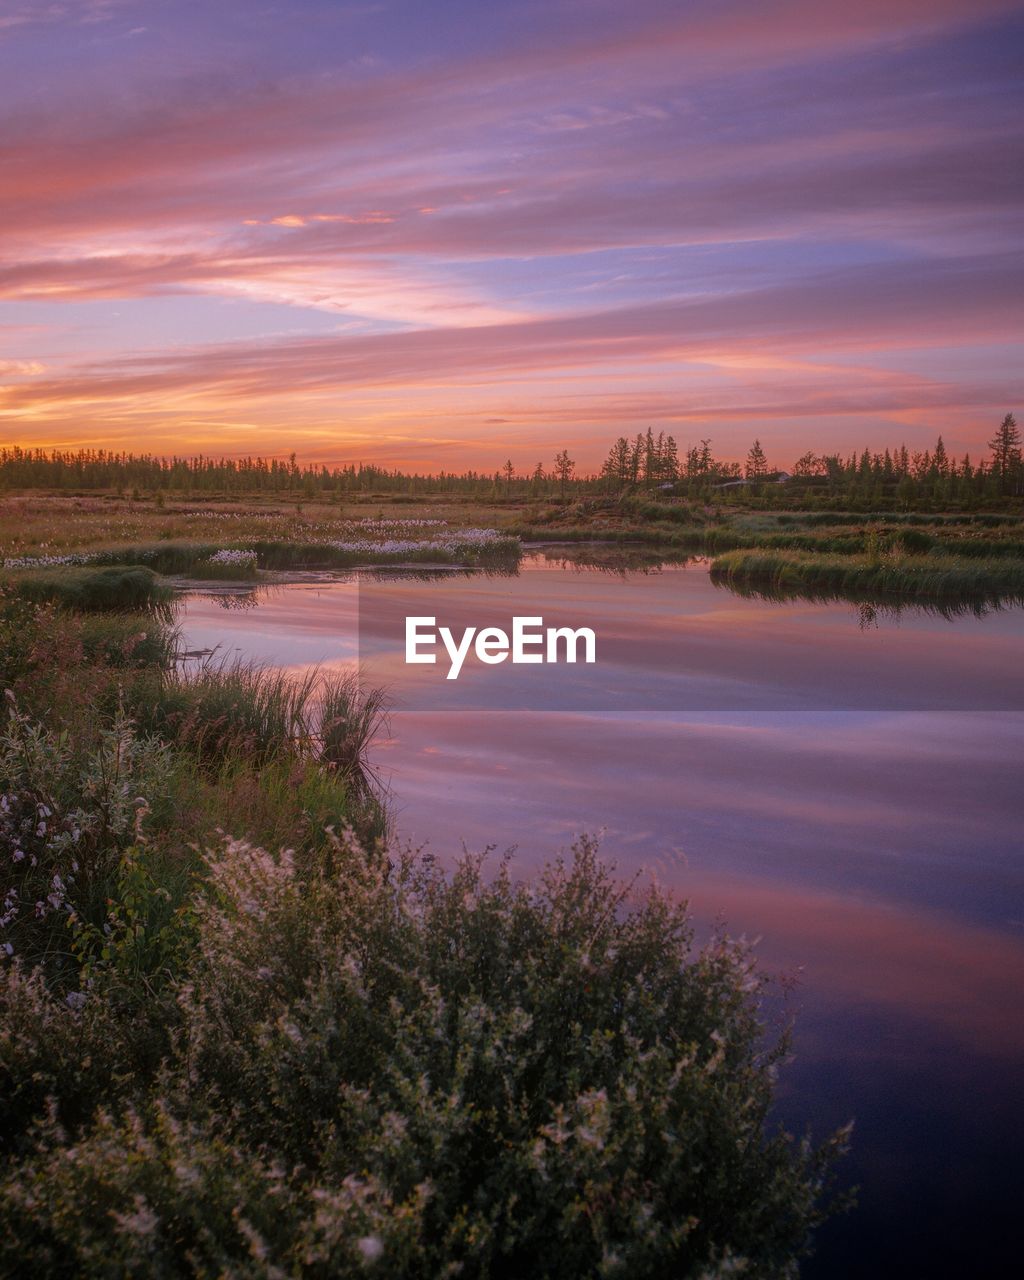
(564, 468)
(615, 469)
(1006, 453)
(670, 460)
(757, 463)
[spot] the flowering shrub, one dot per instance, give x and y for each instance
(65, 820)
(385, 1069)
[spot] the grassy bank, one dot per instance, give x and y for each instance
(240, 1035)
(131, 587)
(929, 578)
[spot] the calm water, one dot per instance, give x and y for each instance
(846, 786)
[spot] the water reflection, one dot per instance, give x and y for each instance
(877, 852)
(875, 606)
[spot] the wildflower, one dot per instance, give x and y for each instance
(371, 1248)
(143, 1222)
(75, 1000)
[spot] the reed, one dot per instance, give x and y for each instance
(94, 590)
(886, 575)
(351, 715)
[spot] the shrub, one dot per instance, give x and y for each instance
(384, 1068)
(67, 815)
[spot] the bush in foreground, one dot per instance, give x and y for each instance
(382, 1068)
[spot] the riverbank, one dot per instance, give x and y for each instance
(880, 577)
(49, 540)
(233, 1018)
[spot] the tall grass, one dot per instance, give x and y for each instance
(94, 590)
(223, 708)
(290, 554)
(922, 577)
(350, 716)
(161, 557)
(128, 640)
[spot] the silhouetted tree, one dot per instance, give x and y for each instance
(1006, 454)
(757, 463)
(564, 470)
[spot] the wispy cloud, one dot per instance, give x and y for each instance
(814, 179)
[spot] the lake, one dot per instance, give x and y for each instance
(839, 781)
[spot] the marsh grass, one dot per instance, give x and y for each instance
(162, 557)
(879, 574)
(309, 735)
(350, 716)
(220, 708)
(128, 640)
(296, 554)
(87, 589)
(104, 726)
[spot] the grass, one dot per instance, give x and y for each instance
(929, 578)
(238, 747)
(223, 709)
(295, 554)
(132, 587)
(350, 717)
(182, 538)
(126, 639)
(162, 557)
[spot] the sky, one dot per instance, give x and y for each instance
(439, 235)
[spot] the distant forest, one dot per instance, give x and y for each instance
(894, 477)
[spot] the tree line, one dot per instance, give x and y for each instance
(644, 462)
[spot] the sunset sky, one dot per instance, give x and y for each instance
(439, 233)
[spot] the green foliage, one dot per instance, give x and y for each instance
(883, 574)
(143, 943)
(380, 1066)
(86, 589)
(350, 717)
(126, 640)
(68, 813)
(226, 708)
(161, 557)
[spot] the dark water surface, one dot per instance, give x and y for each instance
(843, 783)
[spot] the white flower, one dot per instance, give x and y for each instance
(371, 1247)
